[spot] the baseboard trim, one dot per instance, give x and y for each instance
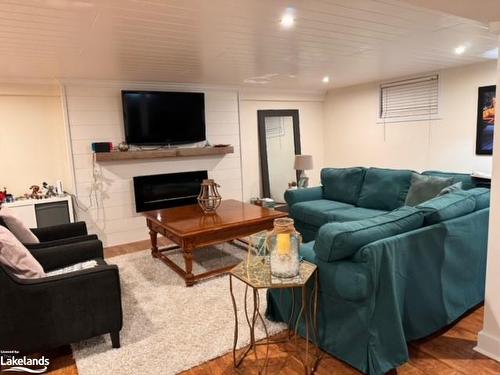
(488, 345)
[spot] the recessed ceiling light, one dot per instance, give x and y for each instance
(288, 18)
(326, 79)
(460, 49)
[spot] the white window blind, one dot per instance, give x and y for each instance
(410, 100)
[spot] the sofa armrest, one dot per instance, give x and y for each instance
(303, 195)
(348, 280)
(55, 257)
(57, 232)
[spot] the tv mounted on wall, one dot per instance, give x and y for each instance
(163, 118)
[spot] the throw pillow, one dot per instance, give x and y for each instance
(451, 189)
(423, 188)
(15, 256)
(17, 227)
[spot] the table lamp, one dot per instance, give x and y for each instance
(303, 163)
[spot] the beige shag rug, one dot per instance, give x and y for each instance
(167, 327)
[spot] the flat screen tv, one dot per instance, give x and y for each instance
(163, 118)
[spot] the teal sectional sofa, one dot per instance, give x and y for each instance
(388, 273)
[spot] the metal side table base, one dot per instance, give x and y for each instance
(257, 276)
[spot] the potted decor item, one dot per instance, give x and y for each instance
(283, 243)
(209, 198)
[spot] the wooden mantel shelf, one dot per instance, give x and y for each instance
(163, 153)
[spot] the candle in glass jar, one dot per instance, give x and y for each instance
(283, 243)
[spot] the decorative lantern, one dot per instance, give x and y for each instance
(283, 243)
(209, 198)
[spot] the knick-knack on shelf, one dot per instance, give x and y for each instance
(50, 190)
(35, 192)
(123, 147)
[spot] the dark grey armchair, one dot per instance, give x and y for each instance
(40, 314)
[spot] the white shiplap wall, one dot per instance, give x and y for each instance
(94, 114)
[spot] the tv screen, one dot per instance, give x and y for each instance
(163, 118)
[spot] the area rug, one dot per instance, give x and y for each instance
(169, 328)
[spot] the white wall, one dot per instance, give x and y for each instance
(312, 140)
(489, 337)
(32, 137)
(353, 137)
(95, 114)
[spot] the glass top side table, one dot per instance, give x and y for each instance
(257, 275)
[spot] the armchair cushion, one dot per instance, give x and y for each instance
(17, 227)
(16, 257)
(337, 241)
(342, 184)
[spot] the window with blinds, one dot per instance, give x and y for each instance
(410, 100)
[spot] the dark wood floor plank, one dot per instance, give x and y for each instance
(455, 348)
(428, 364)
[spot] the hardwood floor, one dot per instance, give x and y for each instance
(447, 352)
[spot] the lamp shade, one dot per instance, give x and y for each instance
(303, 162)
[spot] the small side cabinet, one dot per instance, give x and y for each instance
(39, 213)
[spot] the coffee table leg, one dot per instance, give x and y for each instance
(188, 261)
(154, 243)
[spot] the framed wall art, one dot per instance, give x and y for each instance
(485, 120)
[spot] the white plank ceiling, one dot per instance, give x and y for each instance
(232, 42)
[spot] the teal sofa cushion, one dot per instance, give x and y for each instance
(464, 178)
(342, 184)
(337, 241)
(423, 188)
(353, 214)
(481, 195)
(446, 207)
(316, 212)
(384, 189)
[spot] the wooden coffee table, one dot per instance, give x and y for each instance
(191, 229)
